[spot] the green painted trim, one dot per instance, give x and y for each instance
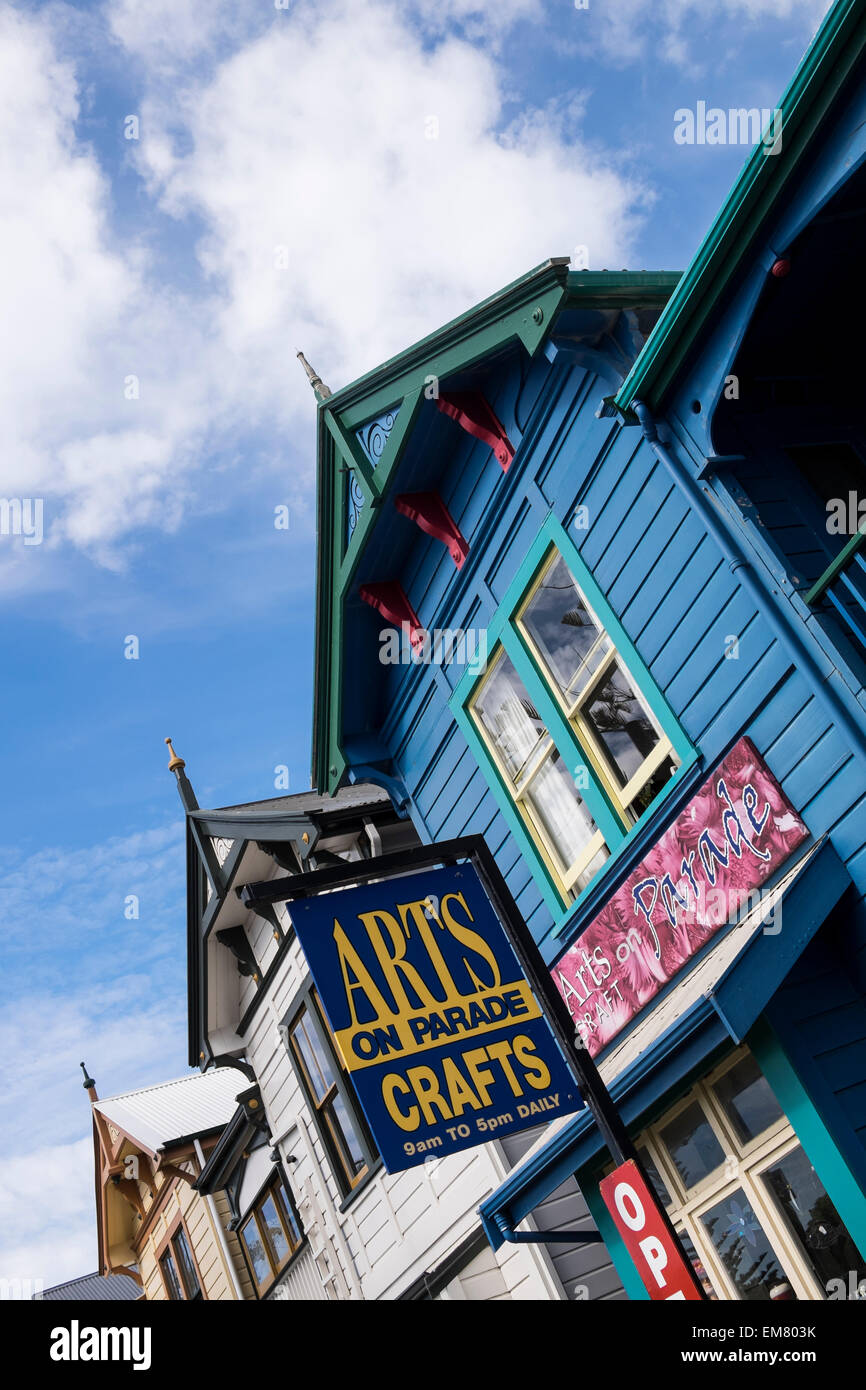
(833, 571)
(353, 457)
(399, 437)
(610, 288)
(524, 312)
(563, 736)
(463, 340)
(500, 629)
(548, 889)
(842, 1188)
(623, 1263)
(825, 66)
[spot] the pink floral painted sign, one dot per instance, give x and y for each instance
(704, 872)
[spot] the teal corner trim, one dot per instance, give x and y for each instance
(844, 1191)
(622, 1260)
(511, 815)
(502, 628)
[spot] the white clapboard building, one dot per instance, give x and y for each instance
(316, 1214)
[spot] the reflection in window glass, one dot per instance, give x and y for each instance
(747, 1100)
(274, 1232)
(256, 1251)
(511, 720)
(654, 1176)
(619, 721)
(565, 633)
(541, 783)
(313, 1056)
(187, 1264)
(814, 1220)
(288, 1211)
(171, 1276)
(349, 1135)
(554, 799)
(744, 1249)
(698, 1266)
(692, 1145)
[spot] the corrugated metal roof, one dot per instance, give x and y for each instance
(90, 1288)
(161, 1115)
(307, 803)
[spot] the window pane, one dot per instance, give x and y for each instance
(256, 1251)
(654, 1176)
(692, 1144)
(651, 788)
(698, 1266)
(745, 1250)
(508, 715)
(568, 638)
(171, 1276)
(289, 1217)
(814, 1220)
(747, 1100)
(273, 1228)
(187, 1264)
(347, 1136)
(314, 1057)
(620, 723)
(560, 811)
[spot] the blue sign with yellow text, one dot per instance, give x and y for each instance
(432, 1014)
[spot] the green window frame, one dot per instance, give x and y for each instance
(576, 740)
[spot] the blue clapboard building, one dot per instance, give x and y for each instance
(577, 550)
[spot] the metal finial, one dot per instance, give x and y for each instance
(321, 390)
(174, 761)
(89, 1082)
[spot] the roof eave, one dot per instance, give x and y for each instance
(815, 85)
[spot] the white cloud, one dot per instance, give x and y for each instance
(387, 231)
(625, 31)
(47, 1215)
(311, 134)
(47, 1211)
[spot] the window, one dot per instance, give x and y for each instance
(568, 720)
(329, 1093)
(270, 1234)
(749, 1207)
(179, 1269)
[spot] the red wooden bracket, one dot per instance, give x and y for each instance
(474, 414)
(390, 600)
(428, 511)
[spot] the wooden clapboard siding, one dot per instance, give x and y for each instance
(396, 1227)
(681, 606)
(584, 1270)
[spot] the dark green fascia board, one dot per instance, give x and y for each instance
(457, 344)
(826, 64)
(611, 288)
(524, 310)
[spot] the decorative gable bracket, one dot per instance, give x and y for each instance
(474, 414)
(389, 599)
(428, 511)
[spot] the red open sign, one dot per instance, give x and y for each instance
(639, 1220)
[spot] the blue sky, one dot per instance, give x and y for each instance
(282, 193)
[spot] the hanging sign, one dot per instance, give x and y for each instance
(704, 872)
(639, 1220)
(432, 1014)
